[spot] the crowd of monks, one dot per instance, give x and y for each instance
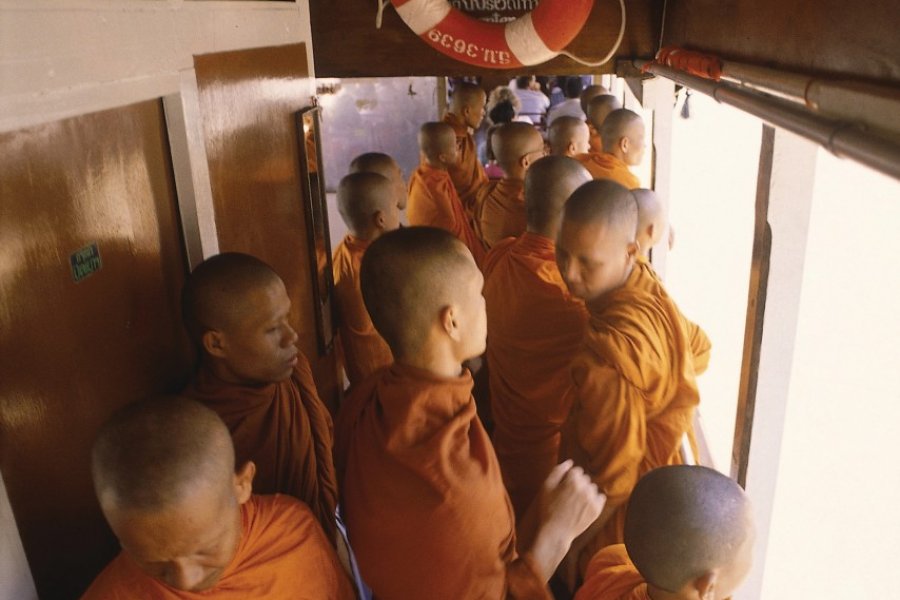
(244, 486)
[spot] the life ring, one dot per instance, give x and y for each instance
(531, 39)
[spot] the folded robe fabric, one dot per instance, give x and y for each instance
(285, 430)
(500, 208)
(535, 328)
(603, 165)
(422, 494)
(282, 554)
(468, 174)
(433, 201)
(612, 576)
(363, 350)
(635, 392)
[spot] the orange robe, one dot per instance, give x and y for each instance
(603, 165)
(285, 429)
(468, 174)
(433, 201)
(635, 392)
(500, 206)
(363, 350)
(282, 554)
(596, 143)
(422, 494)
(612, 576)
(535, 328)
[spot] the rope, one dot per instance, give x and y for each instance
(380, 14)
(702, 65)
(611, 53)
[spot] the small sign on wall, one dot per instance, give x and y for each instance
(85, 262)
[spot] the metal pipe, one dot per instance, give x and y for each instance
(840, 138)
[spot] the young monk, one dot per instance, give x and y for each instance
(568, 136)
(368, 206)
(588, 94)
(422, 494)
(236, 310)
(688, 534)
(433, 199)
(635, 376)
(623, 146)
(534, 330)
(651, 220)
(465, 116)
(500, 205)
(189, 527)
(384, 165)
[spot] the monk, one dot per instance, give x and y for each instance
(568, 136)
(688, 534)
(500, 205)
(189, 526)
(652, 222)
(422, 491)
(433, 200)
(635, 376)
(465, 116)
(236, 309)
(384, 165)
(623, 146)
(535, 327)
(588, 94)
(368, 205)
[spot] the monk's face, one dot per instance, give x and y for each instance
(449, 151)
(635, 149)
(473, 113)
(186, 546)
(399, 184)
(257, 345)
(593, 259)
(580, 143)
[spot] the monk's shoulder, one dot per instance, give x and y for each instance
(612, 576)
(119, 580)
(496, 255)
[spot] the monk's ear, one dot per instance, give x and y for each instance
(705, 586)
(378, 219)
(651, 229)
(624, 144)
(243, 481)
(571, 149)
(632, 249)
(449, 323)
(213, 343)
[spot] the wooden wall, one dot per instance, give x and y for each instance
(346, 43)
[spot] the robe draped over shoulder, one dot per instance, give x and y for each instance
(282, 554)
(422, 494)
(535, 328)
(285, 430)
(500, 208)
(364, 351)
(433, 201)
(635, 392)
(603, 165)
(612, 576)
(468, 174)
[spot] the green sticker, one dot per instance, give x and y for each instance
(85, 262)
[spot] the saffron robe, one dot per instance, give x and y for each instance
(612, 576)
(535, 328)
(594, 140)
(603, 165)
(282, 554)
(285, 429)
(635, 392)
(433, 201)
(468, 173)
(500, 207)
(364, 351)
(422, 494)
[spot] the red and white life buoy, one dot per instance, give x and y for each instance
(529, 40)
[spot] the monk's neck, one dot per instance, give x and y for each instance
(434, 165)
(656, 593)
(220, 371)
(544, 233)
(437, 361)
(601, 301)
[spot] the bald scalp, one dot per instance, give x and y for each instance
(604, 202)
(618, 124)
(650, 213)
(436, 138)
(408, 276)
(589, 92)
(599, 109)
(548, 184)
(465, 95)
(215, 294)
(374, 162)
(361, 196)
(563, 131)
(152, 454)
(683, 522)
(511, 141)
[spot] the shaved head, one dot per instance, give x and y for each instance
(407, 277)
(599, 108)
(590, 92)
(622, 124)
(467, 103)
(511, 142)
(548, 184)
(651, 218)
(436, 138)
(152, 454)
(216, 294)
(362, 198)
(568, 136)
(604, 202)
(684, 522)
(384, 165)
